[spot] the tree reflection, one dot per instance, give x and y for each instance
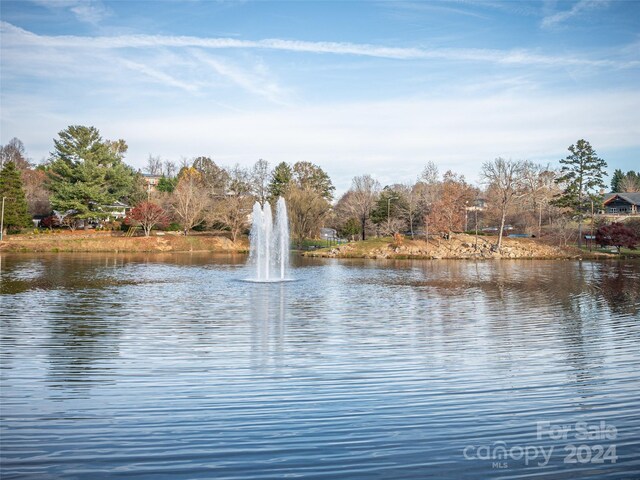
(82, 344)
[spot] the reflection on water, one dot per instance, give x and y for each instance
(170, 366)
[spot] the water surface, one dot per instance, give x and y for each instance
(170, 366)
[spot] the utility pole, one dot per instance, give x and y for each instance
(2, 219)
(591, 239)
(476, 212)
(466, 214)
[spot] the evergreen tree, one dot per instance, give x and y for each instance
(87, 173)
(581, 174)
(629, 182)
(16, 213)
(166, 184)
(391, 205)
(618, 175)
(281, 177)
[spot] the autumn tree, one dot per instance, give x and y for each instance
(16, 215)
(447, 214)
(148, 215)
(581, 176)
(505, 180)
(617, 235)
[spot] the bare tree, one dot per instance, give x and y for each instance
(232, 211)
(411, 193)
(427, 192)
(154, 165)
(430, 174)
(36, 192)
(170, 168)
(232, 207)
(629, 184)
(306, 208)
(14, 151)
(215, 178)
(505, 181)
(190, 199)
(538, 182)
(260, 180)
(362, 199)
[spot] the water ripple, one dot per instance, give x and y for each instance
(172, 367)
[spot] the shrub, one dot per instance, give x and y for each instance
(617, 235)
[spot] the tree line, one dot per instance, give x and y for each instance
(86, 174)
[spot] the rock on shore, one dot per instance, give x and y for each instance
(459, 246)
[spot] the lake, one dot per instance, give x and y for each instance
(172, 366)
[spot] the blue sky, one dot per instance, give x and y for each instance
(357, 87)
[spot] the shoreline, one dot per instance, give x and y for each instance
(459, 247)
(108, 242)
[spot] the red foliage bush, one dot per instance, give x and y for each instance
(616, 235)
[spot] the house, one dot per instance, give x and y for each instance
(151, 181)
(328, 234)
(622, 203)
(117, 210)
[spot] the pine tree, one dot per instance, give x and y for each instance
(581, 174)
(86, 172)
(280, 181)
(16, 213)
(618, 175)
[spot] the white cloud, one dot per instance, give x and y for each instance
(256, 81)
(88, 11)
(578, 8)
(159, 76)
(80, 80)
(15, 36)
(392, 140)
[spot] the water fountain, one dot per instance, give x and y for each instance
(269, 255)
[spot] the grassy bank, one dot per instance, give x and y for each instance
(624, 252)
(116, 242)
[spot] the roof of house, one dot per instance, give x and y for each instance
(631, 197)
